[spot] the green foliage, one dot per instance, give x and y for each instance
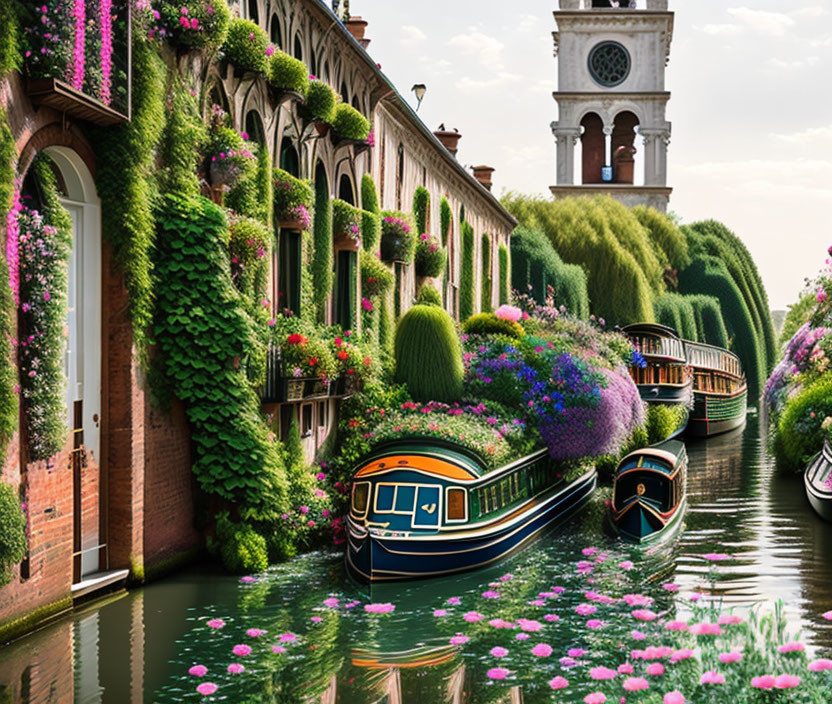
(421, 203)
(205, 338)
(212, 26)
(248, 245)
(242, 549)
(386, 325)
(349, 123)
(430, 256)
(300, 478)
(490, 324)
(466, 276)
(676, 311)
(669, 244)
(608, 242)
(246, 44)
(10, 54)
(369, 195)
(290, 193)
(709, 323)
(230, 161)
(322, 257)
(288, 73)
(252, 196)
(505, 293)
(184, 136)
(320, 102)
(13, 542)
(370, 230)
(346, 219)
(446, 218)
(664, 419)
(535, 266)
(428, 355)
(428, 296)
(398, 243)
(799, 432)
(8, 313)
(376, 278)
(485, 297)
(125, 180)
(798, 314)
(44, 259)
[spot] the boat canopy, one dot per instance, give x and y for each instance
(663, 457)
(702, 356)
(654, 340)
(425, 455)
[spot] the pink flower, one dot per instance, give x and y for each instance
(497, 673)
(655, 669)
(585, 609)
(198, 671)
(625, 668)
(316, 619)
(827, 615)
(594, 624)
(439, 613)
(206, 689)
(729, 620)
(522, 636)
(576, 652)
(453, 600)
(637, 635)
(366, 304)
(500, 623)
(216, 623)
(241, 650)
(635, 684)
(459, 639)
(379, 608)
(786, 681)
(602, 673)
(559, 683)
(551, 618)
(670, 587)
(763, 682)
(676, 626)
(627, 565)
(278, 649)
(712, 677)
(248, 579)
(793, 647)
(491, 594)
(644, 615)
(715, 556)
(542, 650)
(473, 616)
(706, 629)
(730, 657)
(331, 602)
(595, 698)
(820, 665)
(498, 651)
(255, 632)
(637, 600)
(236, 668)
(288, 637)
(683, 654)
(674, 697)
(529, 625)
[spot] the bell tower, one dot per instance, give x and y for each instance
(612, 56)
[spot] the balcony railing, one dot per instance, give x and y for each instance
(281, 387)
(78, 58)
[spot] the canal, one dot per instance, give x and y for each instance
(139, 647)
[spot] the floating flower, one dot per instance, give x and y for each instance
(497, 673)
(712, 677)
(542, 650)
(198, 671)
(386, 608)
(498, 651)
(206, 689)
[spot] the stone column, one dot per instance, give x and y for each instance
(566, 139)
(656, 141)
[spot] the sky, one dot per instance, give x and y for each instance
(751, 108)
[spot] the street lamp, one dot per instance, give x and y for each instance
(419, 89)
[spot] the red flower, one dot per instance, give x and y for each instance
(313, 361)
(297, 339)
(367, 361)
(354, 423)
(338, 341)
(343, 355)
(350, 371)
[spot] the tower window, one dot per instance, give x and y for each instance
(609, 64)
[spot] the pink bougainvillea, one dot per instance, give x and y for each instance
(12, 237)
(79, 15)
(106, 52)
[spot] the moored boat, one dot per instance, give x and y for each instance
(648, 498)
(818, 481)
(423, 507)
(720, 391)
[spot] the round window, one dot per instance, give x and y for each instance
(609, 63)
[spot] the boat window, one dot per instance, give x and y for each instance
(405, 498)
(426, 513)
(455, 510)
(385, 494)
(360, 494)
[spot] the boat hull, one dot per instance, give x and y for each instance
(713, 415)
(818, 493)
(378, 558)
(643, 525)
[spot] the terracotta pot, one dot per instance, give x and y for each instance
(345, 243)
(291, 225)
(356, 26)
(322, 128)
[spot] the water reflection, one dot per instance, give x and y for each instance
(138, 648)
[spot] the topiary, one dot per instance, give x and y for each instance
(322, 257)
(446, 218)
(430, 256)
(428, 355)
(369, 195)
(348, 123)
(246, 45)
(490, 324)
(242, 549)
(376, 278)
(421, 203)
(466, 276)
(320, 102)
(370, 230)
(201, 24)
(428, 296)
(485, 289)
(288, 73)
(13, 542)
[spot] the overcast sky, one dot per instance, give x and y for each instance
(751, 108)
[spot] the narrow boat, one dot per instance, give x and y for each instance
(818, 481)
(648, 497)
(720, 392)
(423, 507)
(662, 375)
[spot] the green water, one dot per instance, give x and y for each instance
(139, 647)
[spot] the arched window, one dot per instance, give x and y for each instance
(623, 151)
(216, 96)
(593, 148)
(298, 48)
(313, 63)
(254, 128)
(275, 32)
(344, 92)
(253, 12)
(399, 175)
(289, 160)
(345, 190)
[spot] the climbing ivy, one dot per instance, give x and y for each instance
(322, 258)
(421, 203)
(182, 140)
(466, 277)
(485, 302)
(8, 375)
(504, 287)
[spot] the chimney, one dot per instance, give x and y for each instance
(357, 26)
(483, 175)
(450, 139)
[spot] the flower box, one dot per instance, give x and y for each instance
(278, 96)
(344, 386)
(64, 98)
(295, 389)
(345, 243)
(394, 248)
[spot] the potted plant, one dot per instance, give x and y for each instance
(396, 237)
(350, 125)
(292, 201)
(320, 105)
(288, 75)
(246, 46)
(346, 225)
(230, 159)
(195, 24)
(429, 259)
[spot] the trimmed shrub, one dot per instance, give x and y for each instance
(485, 293)
(669, 243)
(292, 197)
(207, 25)
(386, 325)
(246, 45)
(490, 324)
(799, 432)
(676, 311)
(709, 322)
(663, 420)
(376, 278)
(505, 293)
(350, 124)
(397, 239)
(446, 218)
(13, 542)
(428, 355)
(369, 195)
(9, 198)
(428, 296)
(288, 73)
(320, 102)
(370, 230)
(466, 276)
(430, 256)
(242, 549)
(421, 203)
(322, 258)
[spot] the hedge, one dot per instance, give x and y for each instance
(466, 277)
(669, 243)
(288, 73)
(505, 293)
(421, 204)
(8, 312)
(676, 311)
(320, 102)
(799, 433)
(349, 123)
(709, 323)
(322, 257)
(245, 45)
(13, 541)
(485, 297)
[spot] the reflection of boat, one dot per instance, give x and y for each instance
(818, 482)
(648, 498)
(662, 375)
(423, 507)
(720, 392)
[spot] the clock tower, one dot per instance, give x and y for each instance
(612, 100)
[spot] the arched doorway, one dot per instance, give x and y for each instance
(345, 190)
(623, 151)
(593, 148)
(82, 361)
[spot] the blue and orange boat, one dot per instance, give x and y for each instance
(423, 507)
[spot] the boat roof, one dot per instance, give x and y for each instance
(650, 329)
(431, 455)
(670, 451)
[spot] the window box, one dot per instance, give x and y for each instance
(64, 98)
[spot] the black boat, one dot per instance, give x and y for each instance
(648, 498)
(818, 481)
